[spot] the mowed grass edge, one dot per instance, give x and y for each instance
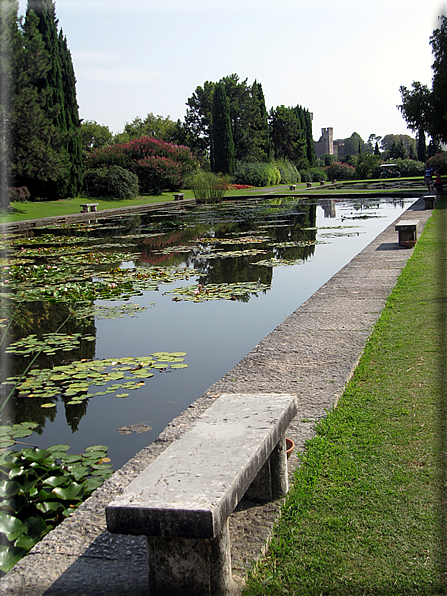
(367, 510)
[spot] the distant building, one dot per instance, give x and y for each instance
(326, 144)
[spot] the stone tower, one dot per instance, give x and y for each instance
(327, 138)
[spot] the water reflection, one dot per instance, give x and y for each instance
(214, 335)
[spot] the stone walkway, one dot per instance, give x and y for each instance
(312, 353)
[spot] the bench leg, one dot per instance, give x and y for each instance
(271, 481)
(187, 567)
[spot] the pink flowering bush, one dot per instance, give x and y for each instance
(158, 165)
(157, 173)
(340, 171)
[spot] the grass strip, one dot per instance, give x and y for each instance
(367, 510)
(40, 209)
(59, 208)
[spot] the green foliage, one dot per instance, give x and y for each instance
(340, 171)
(37, 157)
(425, 109)
(58, 88)
(208, 187)
(410, 167)
(318, 174)
(367, 166)
(422, 147)
(439, 163)
(94, 135)
(9, 35)
(353, 144)
(158, 165)
(248, 118)
(288, 172)
(222, 145)
(42, 130)
(19, 194)
(289, 135)
(114, 182)
(257, 174)
(158, 127)
(306, 176)
(39, 488)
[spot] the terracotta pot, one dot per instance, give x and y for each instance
(290, 445)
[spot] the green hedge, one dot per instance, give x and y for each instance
(114, 182)
(257, 174)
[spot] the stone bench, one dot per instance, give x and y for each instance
(179, 196)
(309, 184)
(89, 207)
(181, 502)
(429, 201)
(292, 187)
(407, 231)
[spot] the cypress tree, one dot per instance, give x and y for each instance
(260, 146)
(36, 142)
(59, 88)
(422, 147)
(9, 42)
(71, 118)
(222, 136)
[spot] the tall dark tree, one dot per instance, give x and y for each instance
(58, 90)
(248, 117)
(73, 124)
(9, 42)
(222, 148)
(260, 146)
(422, 147)
(288, 137)
(423, 108)
(37, 144)
(198, 121)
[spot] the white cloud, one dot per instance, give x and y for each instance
(118, 75)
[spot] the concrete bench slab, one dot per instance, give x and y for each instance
(407, 231)
(182, 500)
(89, 207)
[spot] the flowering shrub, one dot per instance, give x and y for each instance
(170, 164)
(439, 163)
(19, 194)
(156, 173)
(239, 186)
(340, 171)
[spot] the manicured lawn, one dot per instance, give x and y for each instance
(367, 513)
(31, 210)
(37, 210)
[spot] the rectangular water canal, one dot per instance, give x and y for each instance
(133, 300)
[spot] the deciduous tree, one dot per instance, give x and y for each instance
(423, 108)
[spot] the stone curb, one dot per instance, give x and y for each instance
(312, 354)
(30, 224)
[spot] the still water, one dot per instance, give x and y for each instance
(318, 237)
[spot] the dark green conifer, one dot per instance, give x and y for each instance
(222, 137)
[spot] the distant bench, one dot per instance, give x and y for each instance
(181, 502)
(89, 207)
(179, 196)
(407, 232)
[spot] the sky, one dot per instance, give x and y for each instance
(342, 60)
